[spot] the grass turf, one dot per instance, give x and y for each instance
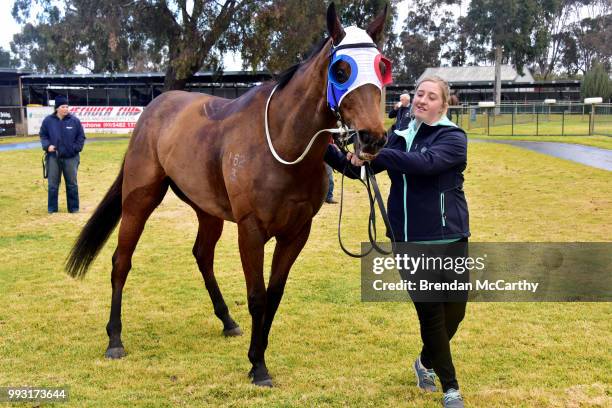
(528, 132)
(326, 347)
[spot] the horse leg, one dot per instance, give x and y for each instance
(251, 241)
(285, 253)
(136, 209)
(209, 232)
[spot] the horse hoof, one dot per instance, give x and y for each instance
(115, 353)
(266, 382)
(233, 332)
(260, 380)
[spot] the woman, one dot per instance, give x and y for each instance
(426, 205)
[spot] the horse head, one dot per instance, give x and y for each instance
(356, 76)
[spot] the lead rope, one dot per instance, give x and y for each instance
(45, 170)
(342, 129)
(373, 198)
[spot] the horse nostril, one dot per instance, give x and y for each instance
(365, 137)
(372, 141)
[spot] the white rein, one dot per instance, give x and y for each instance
(340, 129)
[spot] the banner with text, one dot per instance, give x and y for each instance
(8, 118)
(95, 119)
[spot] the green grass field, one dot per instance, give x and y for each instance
(542, 125)
(327, 348)
(601, 141)
(26, 139)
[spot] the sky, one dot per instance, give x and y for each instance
(9, 26)
(231, 62)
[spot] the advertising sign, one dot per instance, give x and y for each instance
(8, 117)
(95, 119)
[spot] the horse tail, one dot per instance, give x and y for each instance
(97, 230)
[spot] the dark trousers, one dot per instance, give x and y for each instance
(68, 167)
(438, 319)
(330, 176)
(439, 323)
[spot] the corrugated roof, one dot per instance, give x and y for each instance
(474, 75)
(146, 74)
(16, 71)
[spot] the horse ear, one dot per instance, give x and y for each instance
(375, 29)
(334, 27)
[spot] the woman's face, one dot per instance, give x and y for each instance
(428, 104)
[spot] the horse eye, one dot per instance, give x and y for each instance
(341, 72)
(340, 75)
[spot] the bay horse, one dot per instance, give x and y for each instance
(212, 153)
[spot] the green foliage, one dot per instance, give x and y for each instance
(596, 83)
(7, 60)
(587, 41)
(282, 33)
(116, 35)
(99, 36)
(427, 29)
(511, 24)
(182, 37)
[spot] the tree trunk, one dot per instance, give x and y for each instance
(172, 82)
(497, 91)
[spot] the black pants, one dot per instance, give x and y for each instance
(438, 319)
(439, 323)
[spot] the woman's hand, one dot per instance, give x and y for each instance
(355, 161)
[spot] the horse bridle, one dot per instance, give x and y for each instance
(344, 135)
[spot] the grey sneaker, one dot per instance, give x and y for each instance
(452, 399)
(426, 378)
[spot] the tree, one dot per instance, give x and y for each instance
(98, 36)
(549, 37)
(46, 47)
(596, 83)
(576, 33)
(269, 41)
(508, 28)
(587, 41)
(427, 29)
(458, 45)
(116, 35)
(119, 35)
(6, 59)
(194, 38)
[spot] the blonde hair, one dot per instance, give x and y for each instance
(444, 89)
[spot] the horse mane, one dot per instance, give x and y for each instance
(284, 77)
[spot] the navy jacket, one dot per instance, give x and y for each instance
(425, 165)
(403, 117)
(66, 135)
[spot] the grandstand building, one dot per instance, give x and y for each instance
(474, 84)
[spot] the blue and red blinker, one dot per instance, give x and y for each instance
(356, 61)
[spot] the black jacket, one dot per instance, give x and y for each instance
(403, 117)
(66, 135)
(426, 201)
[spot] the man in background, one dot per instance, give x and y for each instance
(62, 137)
(401, 111)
